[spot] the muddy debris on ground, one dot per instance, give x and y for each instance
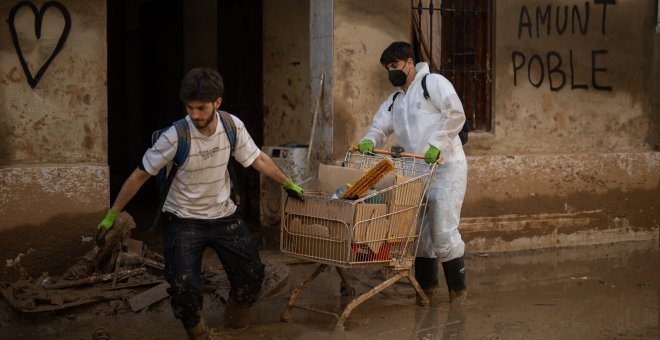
(123, 271)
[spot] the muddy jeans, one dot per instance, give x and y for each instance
(184, 244)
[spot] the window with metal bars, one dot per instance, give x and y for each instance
(454, 37)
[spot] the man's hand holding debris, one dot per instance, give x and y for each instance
(105, 226)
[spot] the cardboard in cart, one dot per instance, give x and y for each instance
(332, 229)
(402, 218)
(409, 193)
(333, 177)
(370, 225)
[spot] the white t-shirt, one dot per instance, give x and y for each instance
(201, 186)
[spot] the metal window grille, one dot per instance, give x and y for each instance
(454, 37)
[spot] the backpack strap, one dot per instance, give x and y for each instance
(463, 134)
(182, 151)
(426, 91)
(393, 99)
(183, 147)
(230, 128)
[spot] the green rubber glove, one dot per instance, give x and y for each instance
(293, 190)
(431, 154)
(109, 220)
(366, 146)
(105, 226)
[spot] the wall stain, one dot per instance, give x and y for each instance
(39, 124)
(632, 205)
(14, 75)
(89, 139)
(55, 244)
(76, 95)
(288, 101)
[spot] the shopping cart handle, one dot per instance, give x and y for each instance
(354, 148)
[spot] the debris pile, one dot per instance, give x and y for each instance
(123, 269)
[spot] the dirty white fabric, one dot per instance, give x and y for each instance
(418, 122)
(201, 187)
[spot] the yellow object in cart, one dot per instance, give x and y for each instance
(375, 174)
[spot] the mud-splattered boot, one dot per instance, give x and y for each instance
(426, 274)
(236, 317)
(200, 331)
(455, 277)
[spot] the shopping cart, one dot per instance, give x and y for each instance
(377, 230)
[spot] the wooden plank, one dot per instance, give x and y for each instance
(149, 297)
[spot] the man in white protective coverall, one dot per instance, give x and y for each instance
(430, 127)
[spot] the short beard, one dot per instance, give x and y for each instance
(205, 123)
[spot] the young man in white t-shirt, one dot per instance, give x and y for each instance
(198, 211)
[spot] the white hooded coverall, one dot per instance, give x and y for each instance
(418, 122)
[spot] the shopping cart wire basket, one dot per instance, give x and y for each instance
(377, 230)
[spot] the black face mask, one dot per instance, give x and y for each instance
(397, 77)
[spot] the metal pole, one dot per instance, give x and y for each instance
(431, 32)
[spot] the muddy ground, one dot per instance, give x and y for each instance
(595, 292)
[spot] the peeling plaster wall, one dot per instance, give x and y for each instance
(286, 68)
(53, 137)
(63, 119)
(362, 30)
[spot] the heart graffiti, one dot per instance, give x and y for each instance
(38, 19)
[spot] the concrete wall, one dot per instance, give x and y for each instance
(604, 103)
(53, 137)
(362, 30)
(286, 72)
(573, 156)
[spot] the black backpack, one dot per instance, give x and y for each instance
(164, 178)
(463, 134)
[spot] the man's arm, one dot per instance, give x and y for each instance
(381, 125)
(266, 166)
(133, 183)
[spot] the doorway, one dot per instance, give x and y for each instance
(148, 56)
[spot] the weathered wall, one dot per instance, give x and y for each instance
(570, 159)
(362, 30)
(547, 200)
(582, 90)
(286, 72)
(53, 136)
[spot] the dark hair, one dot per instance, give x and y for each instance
(398, 50)
(203, 84)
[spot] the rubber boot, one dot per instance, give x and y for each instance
(200, 331)
(426, 274)
(236, 317)
(455, 277)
